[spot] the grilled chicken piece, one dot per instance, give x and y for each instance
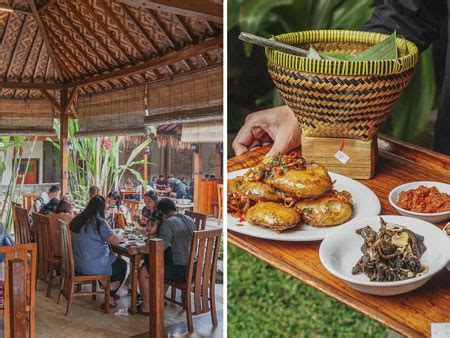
(312, 181)
(258, 191)
(273, 216)
(234, 183)
(330, 209)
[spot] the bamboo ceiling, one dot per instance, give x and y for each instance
(101, 45)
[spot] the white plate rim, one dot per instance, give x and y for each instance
(422, 214)
(353, 225)
(309, 237)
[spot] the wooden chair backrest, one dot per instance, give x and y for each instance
(28, 200)
(41, 224)
(133, 206)
(13, 210)
(26, 253)
(220, 200)
(202, 272)
(199, 219)
(22, 233)
(68, 264)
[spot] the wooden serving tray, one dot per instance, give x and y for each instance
(412, 313)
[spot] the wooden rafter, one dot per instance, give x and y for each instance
(167, 59)
(52, 99)
(14, 50)
(44, 35)
(36, 64)
(47, 4)
(29, 85)
(109, 12)
(27, 58)
(72, 97)
(199, 9)
(106, 30)
(98, 39)
(13, 9)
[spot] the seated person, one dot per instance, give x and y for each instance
(64, 213)
(150, 200)
(178, 187)
(177, 231)
(115, 206)
(161, 183)
(153, 183)
(91, 236)
(93, 191)
(49, 207)
(44, 198)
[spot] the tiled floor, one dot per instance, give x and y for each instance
(87, 320)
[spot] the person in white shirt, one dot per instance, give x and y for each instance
(45, 197)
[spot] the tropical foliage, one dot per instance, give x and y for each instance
(95, 161)
(267, 18)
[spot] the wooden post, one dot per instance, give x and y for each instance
(167, 167)
(197, 177)
(156, 275)
(218, 161)
(17, 298)
(64, 142)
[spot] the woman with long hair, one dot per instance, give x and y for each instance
(115, 205)
(149, 210)
(91, 236)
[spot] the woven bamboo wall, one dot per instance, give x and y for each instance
(120, 111)
(25, 116)
(202, 132)
(199, 89)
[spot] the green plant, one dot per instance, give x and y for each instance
(267, 18)
(95, 161)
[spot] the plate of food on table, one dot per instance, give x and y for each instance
(385, 255)
(288, 198)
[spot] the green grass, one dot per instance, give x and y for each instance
(264, 302)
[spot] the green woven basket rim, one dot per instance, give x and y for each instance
(343, 67)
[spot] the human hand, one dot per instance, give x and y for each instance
(277, 125)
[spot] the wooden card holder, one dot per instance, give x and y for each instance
(362, 154)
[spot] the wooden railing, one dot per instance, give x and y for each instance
(156, 275)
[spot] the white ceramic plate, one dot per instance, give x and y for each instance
(429, 217)
(340, 251)
(365, 203)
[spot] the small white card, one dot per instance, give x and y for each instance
(446, 230)
(440, 330)
(342, 157)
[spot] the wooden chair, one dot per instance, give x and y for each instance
(28, 200)
(13, 210)
(69, 280)
(22, 232)
(133, 206)
(199, 219)
(201, 278)
(48, 262)
(26, 253)
(220, 202)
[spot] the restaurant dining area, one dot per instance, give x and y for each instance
(111, 168)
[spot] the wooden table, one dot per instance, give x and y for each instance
(134, 271)
(410, 314)
(127, 192)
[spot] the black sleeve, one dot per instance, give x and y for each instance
(417, 20)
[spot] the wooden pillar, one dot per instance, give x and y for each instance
(17, 300)
(197, 177)
(218, 160)
(167, 166)
(156, 276)
(64, 142)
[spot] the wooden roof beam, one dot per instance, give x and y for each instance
(151, 64)
(52, 99)
(46, 4)
(11, 9)
(44, 35)
(30, 85)
(199, 9)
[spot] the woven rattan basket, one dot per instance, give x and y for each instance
(336, 98)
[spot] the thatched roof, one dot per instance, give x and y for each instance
(101, 45)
